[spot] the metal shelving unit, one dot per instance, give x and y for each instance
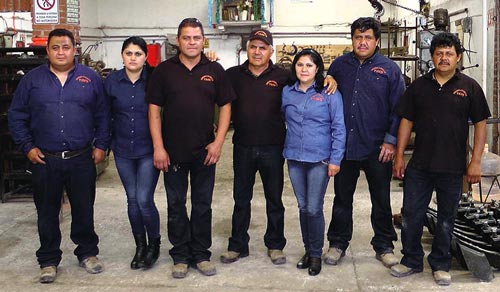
(15, 177)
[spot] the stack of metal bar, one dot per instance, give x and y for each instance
(476, 236)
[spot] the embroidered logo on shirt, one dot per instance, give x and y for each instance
(207, 78)
(378, 70)
(272, 83)
(460, 92)
(83, 79)
(317, 97)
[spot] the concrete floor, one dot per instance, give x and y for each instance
(359, 270)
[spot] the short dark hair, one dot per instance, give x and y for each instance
(316, 58)
(135, 40)
(61, 32)
(366, 23)
(446, 39)
(191, 22)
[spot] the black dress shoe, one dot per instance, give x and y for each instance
(314, 266)
(303, 263)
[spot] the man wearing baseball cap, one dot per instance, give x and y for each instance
(263, 35)
(258, 145)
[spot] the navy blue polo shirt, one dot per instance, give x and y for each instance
(188, 98)
(370, 91)
(55, 118)
(130, 136)
(256, 113)
(440, 117)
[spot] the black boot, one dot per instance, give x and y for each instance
(140, 252)
(303, 263)
(314, 266)
(152, 253)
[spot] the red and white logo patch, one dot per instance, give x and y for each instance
(379, 70)
(83, 79)
(317, 97)
(207, 78)
(272, 83)
(460, 92)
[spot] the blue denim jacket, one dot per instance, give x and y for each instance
(315, 125)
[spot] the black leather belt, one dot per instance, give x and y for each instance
(67, 154)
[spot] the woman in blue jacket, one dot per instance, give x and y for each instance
(314, 147)
(133, 149)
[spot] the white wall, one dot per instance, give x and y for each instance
(293, 22)
(21, 22)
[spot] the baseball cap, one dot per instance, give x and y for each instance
(263, 35)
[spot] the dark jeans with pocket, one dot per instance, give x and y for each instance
(268, 161)
(191, 236)
(77, 176)
(378, 176)
(417, 194)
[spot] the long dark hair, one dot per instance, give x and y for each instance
(141, 43)
(135, 40)
(317, 60)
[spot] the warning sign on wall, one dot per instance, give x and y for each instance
(46, 11)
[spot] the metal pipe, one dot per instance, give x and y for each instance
(496, 80)
(122, 36)
(485, 45)
(465, 10)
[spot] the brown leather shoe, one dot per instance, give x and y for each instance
(387, 259)
(48, 274)
(92, 265)
(442, 278)
(334, 255)
(179, 271)
(230, 257)
(206, 268)
(277, 256)
(401, 270)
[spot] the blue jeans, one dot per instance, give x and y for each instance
(417, 193)
(309, 182)
(379, 176)
(247, 160)
(191, 237)
(139, 178)
(77, 175)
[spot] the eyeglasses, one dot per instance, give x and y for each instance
(130, 54)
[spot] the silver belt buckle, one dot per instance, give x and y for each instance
(63, 155)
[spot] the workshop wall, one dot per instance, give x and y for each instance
(322, 22)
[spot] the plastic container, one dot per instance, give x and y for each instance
(490, 162)
(154, 54)
(490, 169)
(39, 41)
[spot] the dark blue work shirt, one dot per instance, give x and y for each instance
(53, 117)
(130, 136)
(370, 91)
